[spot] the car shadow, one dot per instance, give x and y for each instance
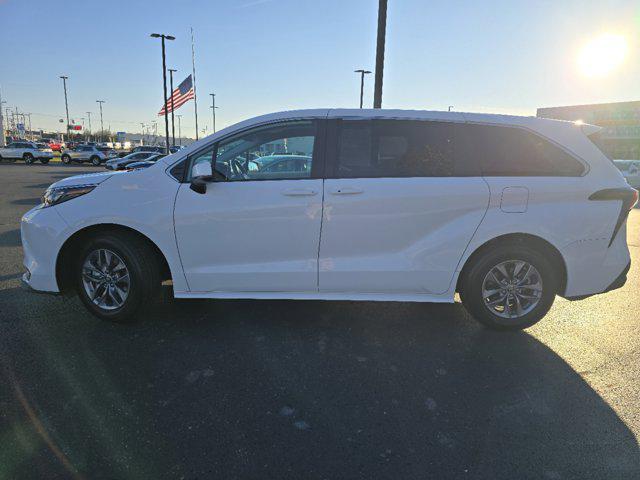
(300, 389)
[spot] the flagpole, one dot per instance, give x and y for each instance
(195, 96)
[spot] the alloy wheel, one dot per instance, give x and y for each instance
(512, 289)
(106, 279)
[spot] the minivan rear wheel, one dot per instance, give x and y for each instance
(509, 288)
(115, 276)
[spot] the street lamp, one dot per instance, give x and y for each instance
(89, 115)
(164, 37)
(100, 102)
(213, 110)
(179, 128)
(173, 125)
(362, 74)
(66, 103)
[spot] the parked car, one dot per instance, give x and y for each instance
(27, 151)
(56, 146)
(413, 206)
(122, 163)
(142, 164)
(148, 148)
(630, 170)
(88, 153)
(176, 148)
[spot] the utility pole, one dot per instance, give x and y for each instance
(362, 74)
(2, 135)
(66, 103)
(30, 131)
(382, 32)
(213, 110)
(100, 102)
(173, 125)
(89, 118)
(141, 133)
(164, 83)
(179, 128)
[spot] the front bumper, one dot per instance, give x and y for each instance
(43, 232)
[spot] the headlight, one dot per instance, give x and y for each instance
(56, 195)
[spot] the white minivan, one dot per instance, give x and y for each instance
(346, 205)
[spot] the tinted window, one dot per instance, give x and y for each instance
(396, 148)
(510, 151)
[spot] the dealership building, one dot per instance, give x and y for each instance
(620, 122)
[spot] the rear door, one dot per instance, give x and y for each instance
(399, 210)
(9, 151)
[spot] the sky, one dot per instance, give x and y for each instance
(260, 56)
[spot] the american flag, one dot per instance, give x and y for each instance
(180, 96)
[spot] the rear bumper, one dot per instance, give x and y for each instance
(595, 267)
(619, 282)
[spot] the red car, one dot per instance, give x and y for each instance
(56, 146)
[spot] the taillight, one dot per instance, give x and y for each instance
(628, 196)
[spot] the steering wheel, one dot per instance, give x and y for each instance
(238, 169)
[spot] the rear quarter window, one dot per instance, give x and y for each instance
(513, 151)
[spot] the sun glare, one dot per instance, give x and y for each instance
(602, 55)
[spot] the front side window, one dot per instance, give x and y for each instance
(395, 148)
(273, 152)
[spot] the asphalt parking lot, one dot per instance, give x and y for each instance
(309, 389)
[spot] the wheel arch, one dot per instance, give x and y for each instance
(531, 241)
(71, 246)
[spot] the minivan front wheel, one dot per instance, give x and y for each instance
(509, 288)
(116, 274)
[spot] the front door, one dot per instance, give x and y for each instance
(259, 229)
(399, 210)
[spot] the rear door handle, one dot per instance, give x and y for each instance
(346, 191)
(299, 192)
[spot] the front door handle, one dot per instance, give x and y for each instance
(299, 192)
(346, 191)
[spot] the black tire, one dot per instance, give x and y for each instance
(66, 159)
(95, 161)
(143, 271)
(44, 161)
(474, 275)
(28, 158)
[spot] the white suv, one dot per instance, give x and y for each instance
(390, 205)
(27, 151)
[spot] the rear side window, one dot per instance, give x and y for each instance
(514, 152)
(395, 148)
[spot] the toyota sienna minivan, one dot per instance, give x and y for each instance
(358, 205)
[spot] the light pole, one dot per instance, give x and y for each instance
(164, 83)
(30, 131)
(382, 32)
(2, 135)
(173, 125)
(141, 133)
(179, 128)
(89, 118)
(213, 110)
(362, 74)
(66, 103)
(100, 102)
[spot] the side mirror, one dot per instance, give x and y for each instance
(201, 174)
